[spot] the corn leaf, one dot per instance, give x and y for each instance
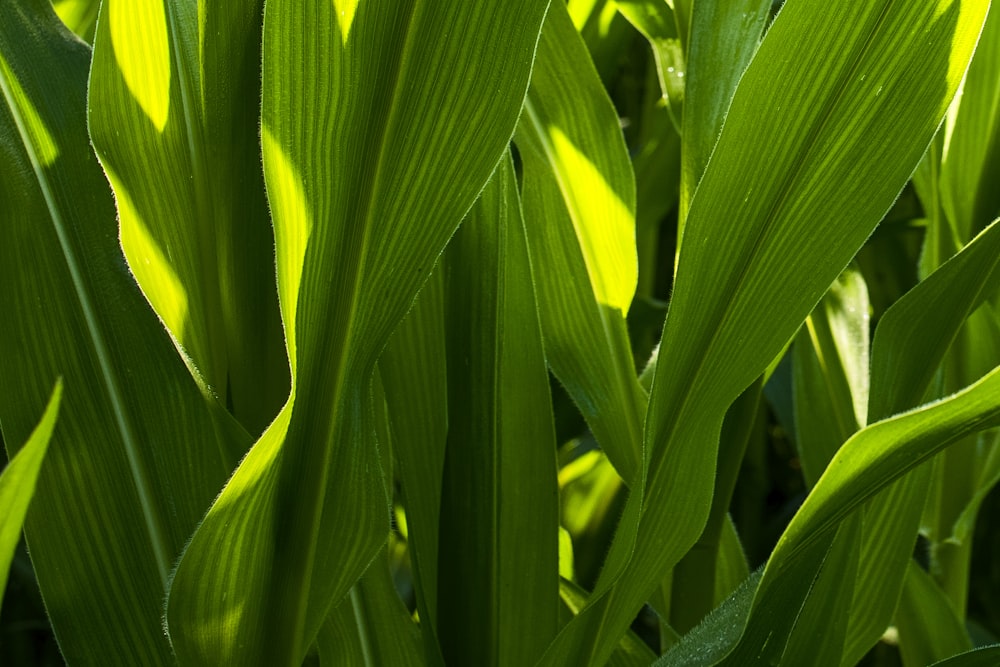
(371, 626)
(667, 34)
(499, 517)
(18, 480)
(724, 37)
(867, 464)
(980, 657)
(579, 206)
(138, 454)
(80, 16)
(806, 112)
(170, 121)
(970, 163)
(929, 628)
(414, 376)
(830, 373)
(345, 92)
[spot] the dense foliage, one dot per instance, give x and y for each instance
(374, 332)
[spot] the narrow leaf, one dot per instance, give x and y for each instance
(17, 483)
(499, 507)
(170, 121)
(579, 204)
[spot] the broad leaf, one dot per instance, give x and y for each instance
(170, 121)
(346, 92)
(794, 156)
(138, 454)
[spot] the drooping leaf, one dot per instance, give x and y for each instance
(345, 94)
(170, 121)
(138, 454)
(17, 483)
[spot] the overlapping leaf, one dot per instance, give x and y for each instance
(794, 156)
(498, 604)
(579, 207)
(138, 454)
(171, 119)
(349, 89)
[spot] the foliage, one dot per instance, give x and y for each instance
(458, 333)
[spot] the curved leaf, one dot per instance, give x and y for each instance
(805, 110)
(170, 121)
(346, 94)
(579, 207)
(18, 480)
(138, 454)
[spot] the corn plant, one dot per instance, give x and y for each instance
(395, 332)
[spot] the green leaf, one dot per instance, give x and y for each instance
(80, 16)
(866, 464)
(970, 162)
(414, 375)
(17, 483)
(830, 373)
(712, 639)
(986, 656)
(499, 503)
(806, 113)
(345, 94)
(929, 628)
(667, 34)
(724, 37)
(579, 206)
(630, 652)
(138, 454)
(170, 121)
(371, 626)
